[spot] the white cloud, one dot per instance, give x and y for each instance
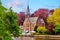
(17, 5)
(14, 3)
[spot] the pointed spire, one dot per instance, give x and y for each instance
(28, 10)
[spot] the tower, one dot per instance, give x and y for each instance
(26, 22)
(27, 14)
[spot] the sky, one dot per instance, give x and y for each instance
(21, 5)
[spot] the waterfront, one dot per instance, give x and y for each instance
(40, 37)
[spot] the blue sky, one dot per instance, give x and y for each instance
(20, 5)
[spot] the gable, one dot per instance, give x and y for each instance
(33, 19)
(26, 21)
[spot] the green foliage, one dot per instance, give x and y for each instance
(8, 24)
(57, 28)
(55, 19)
(41, 30)
(12, 23)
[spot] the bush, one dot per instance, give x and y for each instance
(42, 30)
(57, 28)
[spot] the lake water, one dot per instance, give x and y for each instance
(38, 38)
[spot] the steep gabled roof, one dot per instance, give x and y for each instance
(33, 19)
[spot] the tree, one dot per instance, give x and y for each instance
(21, 18)
(4, 34)
(8, 24)
(42, 13)
(55, 19)
(12, 20)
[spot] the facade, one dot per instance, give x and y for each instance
(31, 22)
(40, 22)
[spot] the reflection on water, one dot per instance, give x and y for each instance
(33, 38)
(39, 38)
